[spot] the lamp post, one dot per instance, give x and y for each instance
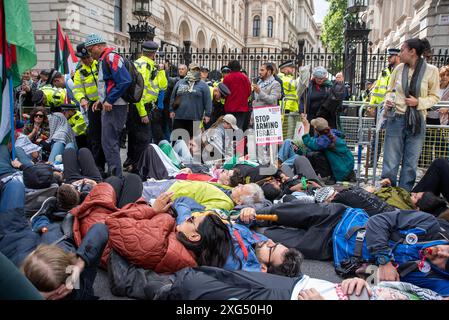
(142, 31)
(356, 40)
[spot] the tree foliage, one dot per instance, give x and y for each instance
(333, 25)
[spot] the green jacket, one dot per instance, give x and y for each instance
(339, 156)
(396, 197)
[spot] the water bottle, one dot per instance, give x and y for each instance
(391, 111)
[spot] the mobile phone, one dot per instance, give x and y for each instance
(255, 80)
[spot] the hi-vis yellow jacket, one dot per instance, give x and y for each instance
(154, 82)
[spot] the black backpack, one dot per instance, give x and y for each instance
(38, 176)
(135, 91)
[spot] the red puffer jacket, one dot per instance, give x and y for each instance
(136, 232)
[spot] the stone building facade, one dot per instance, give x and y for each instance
(215, 24)
(393, 22)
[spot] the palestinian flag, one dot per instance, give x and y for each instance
(69, 56)
(60, 65)
(65, 58)
(17, 54)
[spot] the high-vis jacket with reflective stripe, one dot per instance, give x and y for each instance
(380, 89)
(85, 82)
(290, 92)
(78, 124)
(146, 67)
(54, 97)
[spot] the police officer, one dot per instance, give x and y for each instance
(204, 74)
(381, 86)
(145, 118)
(76, 120)
(85, 91)
(50, 97)
(290, 86)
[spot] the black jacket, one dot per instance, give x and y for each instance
(360, 198)
(306, 227)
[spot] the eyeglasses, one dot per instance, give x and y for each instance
(39, 116)
(272, 248)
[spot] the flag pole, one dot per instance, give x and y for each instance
(11, 101)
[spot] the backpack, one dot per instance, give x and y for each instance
(350, 252)
(135, 91)
(38, 176)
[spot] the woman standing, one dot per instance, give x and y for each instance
(414, 88)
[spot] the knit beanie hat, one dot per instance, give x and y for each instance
(322, 194)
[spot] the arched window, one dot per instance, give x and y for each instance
(270, 27)
(256, 26)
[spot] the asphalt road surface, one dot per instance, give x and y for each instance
(315, 269)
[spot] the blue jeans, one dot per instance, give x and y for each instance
(401, 147)
(12, 195)
(25, 159)
(58, 149)
(181, 149)
(286, 153)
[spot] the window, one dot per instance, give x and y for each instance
(270, 27)
(256, 26)
(118, 16)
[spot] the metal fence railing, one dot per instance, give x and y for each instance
(366, 141)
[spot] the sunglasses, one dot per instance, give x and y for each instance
(39, 116)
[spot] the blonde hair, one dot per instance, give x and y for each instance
(444, 70)
(46, 267)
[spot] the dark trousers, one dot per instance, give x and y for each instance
(156, 120)
(436, 179)
(113, 123)
(184, 124)
(81, 141)
(79, 165)
(306, 227)
(94, 134)
(242, 119)
(128, 189)
(302, 167)
(320, 164)
(139, 135)
(209, 283)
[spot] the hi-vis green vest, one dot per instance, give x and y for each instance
(54, 97)
(146, 67)
(78, 124)
(290, 92)
(380, 89)
(85, 82)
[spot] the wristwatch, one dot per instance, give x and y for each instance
(383, 260)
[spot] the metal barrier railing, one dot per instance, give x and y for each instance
(365, 138)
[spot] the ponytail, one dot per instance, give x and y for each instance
(421, 46)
